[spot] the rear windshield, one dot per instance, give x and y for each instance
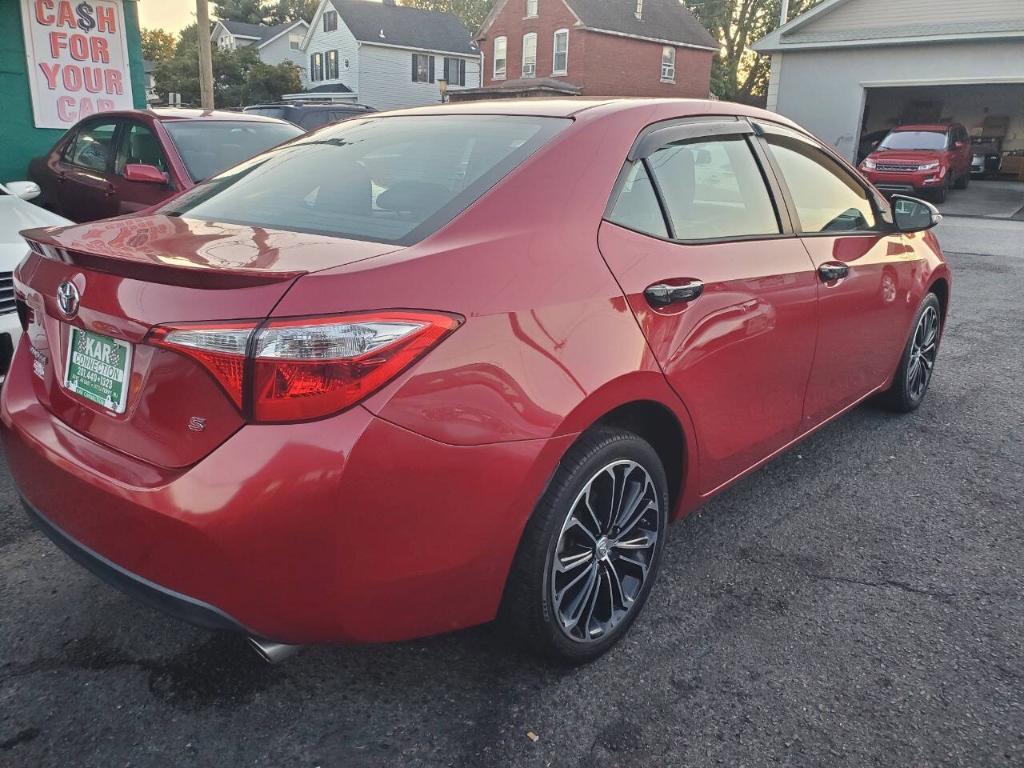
(914, 140)
(277, 112)
(210, 146)
(391, 179)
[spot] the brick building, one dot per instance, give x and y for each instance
(595, 48)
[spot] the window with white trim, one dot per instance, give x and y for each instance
(316, 67)
(332, 65)
(531, 9)
(668, 64)
(500, 57)
(560, 58)
(422, 68)
(455, 71)
(295, 40)
(530, 54)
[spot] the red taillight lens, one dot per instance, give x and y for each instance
(307, 368)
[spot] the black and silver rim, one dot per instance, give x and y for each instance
(605, 551)
(922, 353)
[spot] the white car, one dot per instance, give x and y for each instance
(16, 214)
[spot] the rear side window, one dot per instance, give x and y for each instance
(636, 206)
(713, 190)
(827, 198)
(392, 180)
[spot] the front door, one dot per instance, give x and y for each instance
(723, 291)
(865, 274)
(86, 191)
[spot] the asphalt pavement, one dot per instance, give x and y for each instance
(858, 602)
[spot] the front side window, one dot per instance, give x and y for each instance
(208, 147)
(139, 146)
(531, 8)
(668, 64)
(530, 54)
(500, 57)
(827, 197)
(422, 68)
(332, 65)
(316, 67)
(560, 59)
(386, 179)
(330, 21)
(93, 145)
(294, 41)
(713, 190)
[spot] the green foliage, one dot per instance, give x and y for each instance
(472, 12)
(290, 10)
(739, 74)
(157, 44)
(250, 11)
(239, 77)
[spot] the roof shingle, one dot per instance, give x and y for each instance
(668, 20)
(386, 24)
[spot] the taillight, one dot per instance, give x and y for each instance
(298, 369)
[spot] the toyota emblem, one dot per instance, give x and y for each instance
(68, 298)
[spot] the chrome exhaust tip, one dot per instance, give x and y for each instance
(273, 653)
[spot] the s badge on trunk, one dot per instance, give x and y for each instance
(68, 299)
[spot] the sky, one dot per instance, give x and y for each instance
(171, 15)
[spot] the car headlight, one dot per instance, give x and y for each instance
(928, 167)
(868, 164)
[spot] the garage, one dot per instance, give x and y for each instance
(852, 70)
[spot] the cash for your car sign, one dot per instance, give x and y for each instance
(97, 368)
(77, 59)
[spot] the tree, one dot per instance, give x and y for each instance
(157, 44)
(250, 11)
(291, 10)
(740, 74)
(471, 12)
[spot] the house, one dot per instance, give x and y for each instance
(149, 70)
(385, 55)
(596, 48)
(275, 44)
(852, 69)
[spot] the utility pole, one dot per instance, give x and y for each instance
(784, 16)
(205, 54)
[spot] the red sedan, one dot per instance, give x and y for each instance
(417, 371)
(123, 162)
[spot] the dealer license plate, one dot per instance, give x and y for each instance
(98, 368)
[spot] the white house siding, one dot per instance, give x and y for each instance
(341, 40)
(385, 80)
(824, 89)
(875, 14)
(279, 51)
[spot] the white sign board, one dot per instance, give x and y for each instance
(77, 55)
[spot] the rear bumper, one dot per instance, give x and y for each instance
(349, 529)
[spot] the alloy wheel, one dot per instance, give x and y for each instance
(605, 551)
(923, 351)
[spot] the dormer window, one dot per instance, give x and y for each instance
(531, 9)
(639, 12)
(330, 21)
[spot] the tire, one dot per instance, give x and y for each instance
(908, 389)
(939, 195)
(539, 602)
(963, 181)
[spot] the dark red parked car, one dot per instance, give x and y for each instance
(416, 371)
(921, 159)
(123, 162)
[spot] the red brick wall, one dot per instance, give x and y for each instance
(553, 15)
(620, 66)
(601, 64)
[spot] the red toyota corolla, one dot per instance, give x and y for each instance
(420, 370)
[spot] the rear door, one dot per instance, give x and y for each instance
(865, 272)
(723, 291)
(87, 191)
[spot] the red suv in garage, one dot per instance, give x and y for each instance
(921, 159)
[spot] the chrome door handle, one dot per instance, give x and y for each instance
(833, 270)
(663, 294)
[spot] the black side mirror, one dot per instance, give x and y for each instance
(912, 215)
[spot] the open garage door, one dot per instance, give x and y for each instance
(993, 114)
